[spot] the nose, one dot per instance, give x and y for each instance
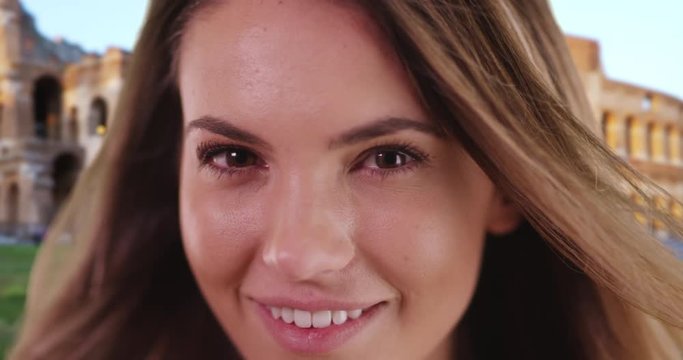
(310, 233)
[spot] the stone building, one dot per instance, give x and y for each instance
(55, 101)
(643, 126)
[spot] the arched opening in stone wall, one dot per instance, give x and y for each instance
(610, 131)
(669, 138)
(677, 210)
(646, 104)
(73, 124)
(47, 102)
(65, 170)
(662, 204)
(97, 119)
(631, 136)
(650, 141)
(13, 208)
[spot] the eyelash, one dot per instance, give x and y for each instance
(208, 150)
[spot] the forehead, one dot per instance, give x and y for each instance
(248, 29)
(261, 53)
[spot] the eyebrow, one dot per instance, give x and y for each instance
(226, 129)
(378, 128)
(383, 127)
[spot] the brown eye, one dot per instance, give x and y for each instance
(390, 159)
(387, 159)
(234, 158)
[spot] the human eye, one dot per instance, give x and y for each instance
(227, 159)
(390, 159)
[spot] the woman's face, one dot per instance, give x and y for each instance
(322, 213)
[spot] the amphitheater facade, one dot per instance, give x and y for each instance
(643, 126)
(56, 102)
(55, 105)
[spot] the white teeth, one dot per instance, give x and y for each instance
(287, 315)
(355, 314)
(276, 312)
(302, 318)
(319, 319)
(339, 317)
(322, 319)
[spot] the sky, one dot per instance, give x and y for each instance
(639, 44)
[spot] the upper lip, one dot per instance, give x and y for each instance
(314, 304)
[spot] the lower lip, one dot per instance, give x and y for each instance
(312, 340)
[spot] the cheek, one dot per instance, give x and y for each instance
(430, 250)
(427, 242)
(219, 230)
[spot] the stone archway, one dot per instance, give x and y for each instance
(98, 116)
(630, 135)
(65, 170)
(636, 139)
(610, 131)
(671, 144)
(649, 143)
(677, 210)
(47, 103)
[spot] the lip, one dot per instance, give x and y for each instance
(312, 340)
(314, 304)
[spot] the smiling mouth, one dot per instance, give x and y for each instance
(316, 328)
(317, 319)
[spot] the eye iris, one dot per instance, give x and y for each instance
(390, 159)
(239, 158)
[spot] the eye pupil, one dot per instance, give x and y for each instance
(390, 159)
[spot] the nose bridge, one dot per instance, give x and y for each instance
(311, 226)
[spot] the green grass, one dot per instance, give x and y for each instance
(15, 265)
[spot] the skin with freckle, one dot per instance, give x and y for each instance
(306, 219)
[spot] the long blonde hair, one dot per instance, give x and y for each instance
(581, 278)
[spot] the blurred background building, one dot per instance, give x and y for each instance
(643, 126)
(56, 102)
